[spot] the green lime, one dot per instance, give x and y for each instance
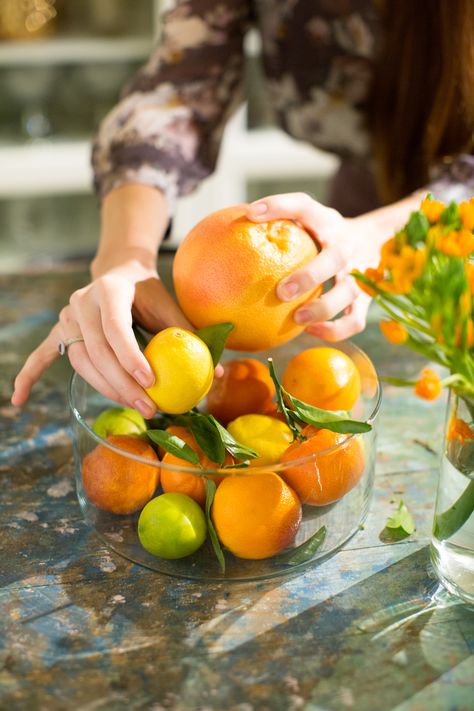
(120, 421)
(172, 526)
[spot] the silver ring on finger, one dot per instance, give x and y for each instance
(64, 345)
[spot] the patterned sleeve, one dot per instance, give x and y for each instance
(166, 130)
(453, 179)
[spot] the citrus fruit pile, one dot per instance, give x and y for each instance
(239, 466)
(253, 511)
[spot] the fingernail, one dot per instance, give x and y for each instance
(145, 409)
(258, 208)
(146, 379)
(303, 316)
(288, 290)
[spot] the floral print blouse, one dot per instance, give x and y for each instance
(317, 59)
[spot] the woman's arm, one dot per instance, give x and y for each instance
(158, 143)
(124, 276)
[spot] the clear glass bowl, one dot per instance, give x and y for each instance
(341, 519)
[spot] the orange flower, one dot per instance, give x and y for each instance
(470, 276)
(375, 275)
(408, 268)
(448, 244)
(460, 430)
(466, 241)
(466, 213)
(432, 209)
(394, 332)
(389, 254)
(456, 244)
(428, 386)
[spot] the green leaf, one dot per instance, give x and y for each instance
(401, 520)
(334, 420)
(242, 465)
(450, 214)
(174, 445)
(140, 336)
(417, 227)
(290, 421)
(215, 338)
(207, 436)
(237, 450)
(210, 493)
(306, 550)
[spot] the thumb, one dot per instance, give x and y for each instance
(154, 307)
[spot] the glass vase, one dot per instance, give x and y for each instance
(452, 543)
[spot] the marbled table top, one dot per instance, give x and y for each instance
(83, 629)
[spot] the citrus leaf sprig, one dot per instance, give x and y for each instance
(305, 551)
(213, 439)
(399, 525)
(210, 493)
(174, 445)
(215, 338)
(334, 420)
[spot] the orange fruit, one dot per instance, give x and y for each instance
(116, 483)
(184, 482)
(328, 477)
(245, 388)
(323, 377)
(227, 269)
(256, 515)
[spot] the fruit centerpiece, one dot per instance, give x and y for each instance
(254, 473)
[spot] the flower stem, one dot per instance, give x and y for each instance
(451, 520)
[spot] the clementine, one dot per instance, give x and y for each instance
(185, 482)
(334, 470)
(245, 388)
(323, 377)
(227, 269)
(256, 515)
(116, 483)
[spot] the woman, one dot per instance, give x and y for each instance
(386, 86)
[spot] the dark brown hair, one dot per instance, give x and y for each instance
(423, 96)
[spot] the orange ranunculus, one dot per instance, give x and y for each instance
(456, 244)
(389, 254)
(408, 268)
(432, 209)
(428, 386)
(448, 244)
(466, 242)
(466, 213)
(470, 276)
(394, 332)
(376, 276)
(460, 430)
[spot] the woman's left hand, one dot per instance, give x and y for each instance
(345, 244)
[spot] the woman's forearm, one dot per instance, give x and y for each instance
(133, 222)
(388, 219)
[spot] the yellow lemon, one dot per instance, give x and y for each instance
(183, 369)
(266, 435)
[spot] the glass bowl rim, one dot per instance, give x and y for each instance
(219, 471)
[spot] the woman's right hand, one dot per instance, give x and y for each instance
(109, 357)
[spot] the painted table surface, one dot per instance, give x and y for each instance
(82, 628)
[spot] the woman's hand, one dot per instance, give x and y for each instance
(345, 244)
(109, 357)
